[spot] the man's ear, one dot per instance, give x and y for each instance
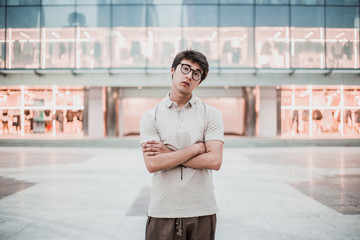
(172, 72)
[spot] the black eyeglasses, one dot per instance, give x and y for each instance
(186, 68)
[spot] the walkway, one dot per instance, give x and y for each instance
(102, 193)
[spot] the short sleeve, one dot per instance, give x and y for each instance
(148, 129)
(215, 126)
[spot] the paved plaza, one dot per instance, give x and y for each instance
(292, 193)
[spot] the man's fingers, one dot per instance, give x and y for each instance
(151, 153)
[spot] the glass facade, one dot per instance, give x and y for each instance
(142, 35)
(146, 34)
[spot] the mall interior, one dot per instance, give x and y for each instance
(91, 68)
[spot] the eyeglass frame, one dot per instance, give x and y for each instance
(192, 75)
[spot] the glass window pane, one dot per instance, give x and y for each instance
(164, 35)
(58, 2)
(200, 32)
(272, 1)
(307, 37)
(94, 38)
(23, 37)
(129, 47)
(342, 17)
(165, 1)
(200, 1)
(308, 2)
(272, 16)
(342, 2)
(2, 37)
(342, 37)
(129, 16)
(196, 16)
(2, 3)
(237, 1)
(129, 37)
(236, 36)
(272, 42)
(164, 16)
(23, 2)
(128, 1)
(10, 97)
(92, 2)
(236, 15)
(59, 36)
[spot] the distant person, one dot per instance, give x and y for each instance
(182, 142)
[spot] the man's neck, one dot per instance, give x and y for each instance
(179, 98)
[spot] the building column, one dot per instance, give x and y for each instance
(268, 112)
(250, 111)
(112, 111)
(95, 112)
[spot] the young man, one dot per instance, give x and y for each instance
(182, 141)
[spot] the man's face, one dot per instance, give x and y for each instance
(184, 82)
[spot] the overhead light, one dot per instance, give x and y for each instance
(340, 35)
(55, 34)
(24, 35)
(308, 35)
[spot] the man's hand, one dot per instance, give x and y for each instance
(152, 148)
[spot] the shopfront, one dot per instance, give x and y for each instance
(326, 111)
(31, 110)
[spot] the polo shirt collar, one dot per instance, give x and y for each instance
(169, 102)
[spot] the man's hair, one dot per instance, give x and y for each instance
(195, 57)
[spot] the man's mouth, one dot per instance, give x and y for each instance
(186, 83)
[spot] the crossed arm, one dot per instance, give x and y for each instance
(200, 155)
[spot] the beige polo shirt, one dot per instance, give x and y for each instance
(182, 192)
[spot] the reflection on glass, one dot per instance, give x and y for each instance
(23, 48)
(342, 2)
(342, 48)
(2, 48)
(163, 35)
(272, 47)
(22, 36)
(129, 1)
(92, 39)
(307, 47)
(93, 48)
(272, 1)
(202, 39)
(59, 37)
(163, 45)
(92, 2)
(59, 48)
(236, 47)
(236, 1)
(58, 2)
(307, 2)
(23, 2)
(129, 47)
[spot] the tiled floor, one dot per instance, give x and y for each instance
(262, 193)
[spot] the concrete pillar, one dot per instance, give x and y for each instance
(268, 112)
(95, 112)
(112, 111)
(250, 111)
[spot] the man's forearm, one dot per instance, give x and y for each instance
(172, 159)
(204, 161)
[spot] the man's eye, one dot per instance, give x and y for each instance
(196, 74)
(186, 68)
